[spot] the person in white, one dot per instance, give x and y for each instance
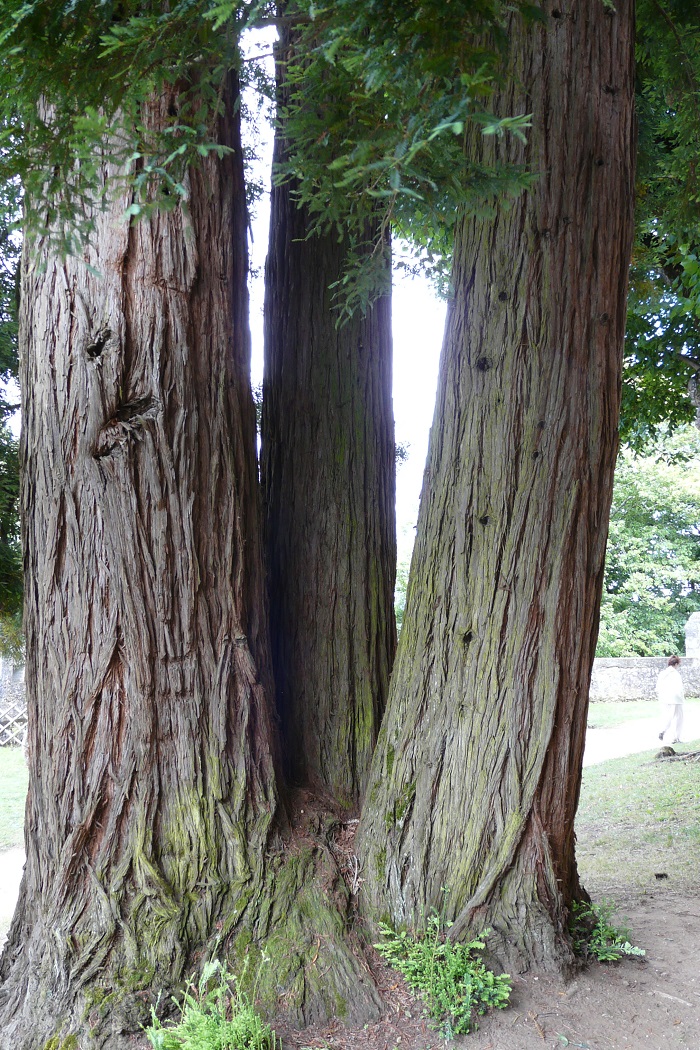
(669, 689)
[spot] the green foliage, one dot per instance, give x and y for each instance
(76, 82)
(668, 72)
(661, 339)
(10, 545)
(11, 552)
(214, 1015)
(12, 637)
(593, 933)
(10, 248)
(380, 85)
(652, 569)
(452, 981)
(662, 347)
(378, 99)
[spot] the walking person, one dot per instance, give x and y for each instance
(669, 689)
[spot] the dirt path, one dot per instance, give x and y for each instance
(633, 737)
(653, 1003)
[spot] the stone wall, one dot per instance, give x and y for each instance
(634, 678)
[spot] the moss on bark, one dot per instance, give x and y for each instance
(476, 775)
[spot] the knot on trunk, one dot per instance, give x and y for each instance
(95, 348)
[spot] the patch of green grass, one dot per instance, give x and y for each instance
(638, 818)
(13, 793)
(605, 714)
(451, 977)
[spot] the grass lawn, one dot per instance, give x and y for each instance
(604, 714)
(638, 818)
(13, 791)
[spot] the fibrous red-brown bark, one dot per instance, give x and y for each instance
(477, 773)
(328, 472)
(152, 786)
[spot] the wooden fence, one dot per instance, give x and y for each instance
(13, 721)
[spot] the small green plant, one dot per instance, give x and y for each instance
(453, 983)
(214, 1015)
(593, 933)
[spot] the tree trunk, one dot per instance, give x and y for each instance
(477, 773)
(328, 474)
(151, 832)
(152, 785)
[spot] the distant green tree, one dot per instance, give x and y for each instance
(10, 248)
(652, 570)
(400, 591)
(662, 345)
(10, 547)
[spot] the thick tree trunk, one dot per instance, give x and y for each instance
(476, 778)
(328, 470)
(152, 783)
(150, 830)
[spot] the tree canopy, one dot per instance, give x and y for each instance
(375, 119)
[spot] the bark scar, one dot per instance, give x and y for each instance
(129, 418)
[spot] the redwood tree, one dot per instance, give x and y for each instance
(476, 776)
(152, 786)
(328, 474)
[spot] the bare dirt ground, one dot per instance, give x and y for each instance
(652, 1003)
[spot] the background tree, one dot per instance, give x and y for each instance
(662, 354)
(652, 566)
(476, 775)
(10, 547)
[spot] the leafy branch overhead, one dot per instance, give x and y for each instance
(376, 117)
(379, 100)
(75, 79)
